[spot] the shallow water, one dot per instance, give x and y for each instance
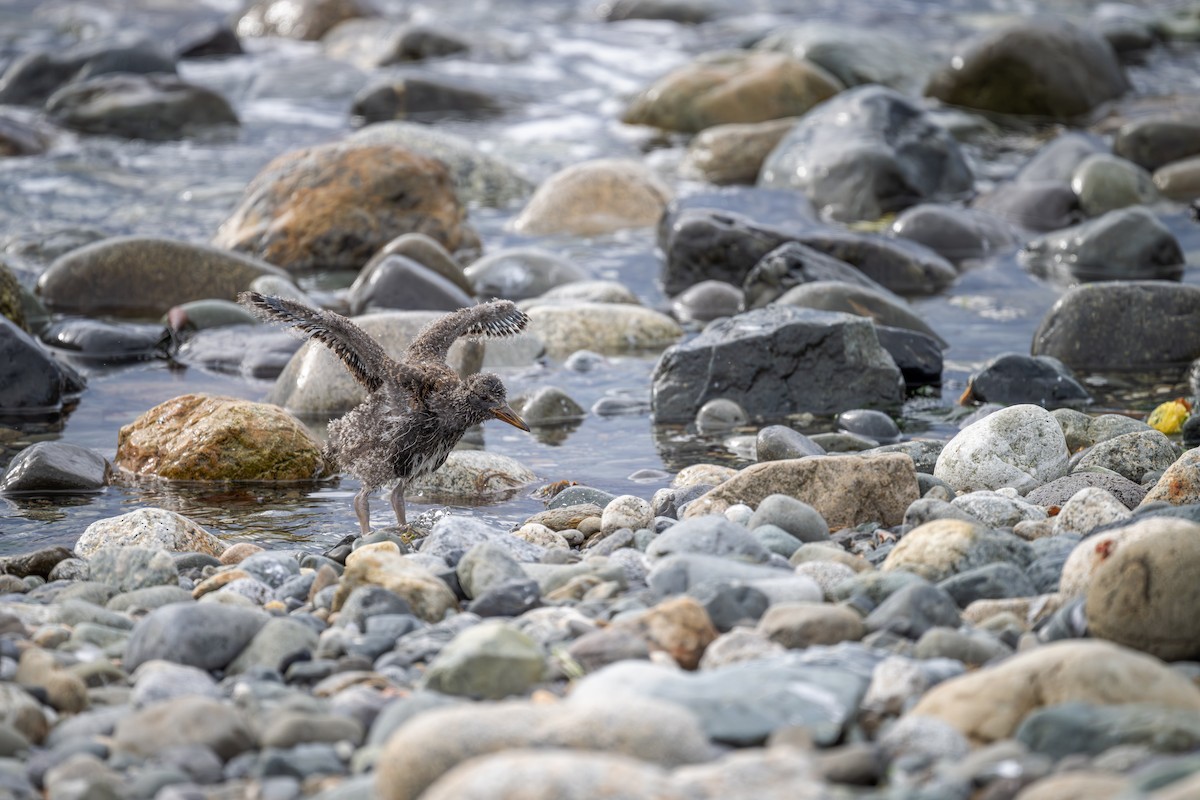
(564, 78)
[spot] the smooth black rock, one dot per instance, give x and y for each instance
(56, 467)
(870, 423)
(110, 342)
(777, 361)
(30, 378)
(918, 356)
(1014, 378)
(905, 267)
(400, 282)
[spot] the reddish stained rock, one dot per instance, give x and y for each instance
(198, 437)
(333, 206)
(680, 627)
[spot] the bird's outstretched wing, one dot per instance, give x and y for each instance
(361, 354)
(492, 319)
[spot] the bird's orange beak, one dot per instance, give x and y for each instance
(508, 415)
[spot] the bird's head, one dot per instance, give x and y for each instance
(487, 398)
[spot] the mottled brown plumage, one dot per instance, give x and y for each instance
(417, 408)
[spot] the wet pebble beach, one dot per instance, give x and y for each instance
(860, 371)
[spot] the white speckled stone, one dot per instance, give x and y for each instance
(1088, 509)
(155, 528)
(1021, 446)
(626, 511)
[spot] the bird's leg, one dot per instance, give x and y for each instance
(361, 511)
(397, 499)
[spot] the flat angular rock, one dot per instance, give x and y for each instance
(743, 703)
(778, 361)
(845, 490)
(860, 301)
(867, 152)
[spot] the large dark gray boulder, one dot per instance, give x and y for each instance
(56, 467)
(867, 152)
(1042, 67)
(1129, 326)
(777, 361)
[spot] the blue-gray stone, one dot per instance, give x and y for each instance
(204, 635)
(914, 609)
(990, 582)
(742, 704)
(712, 535)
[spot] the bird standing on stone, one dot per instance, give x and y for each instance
(417, 408)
